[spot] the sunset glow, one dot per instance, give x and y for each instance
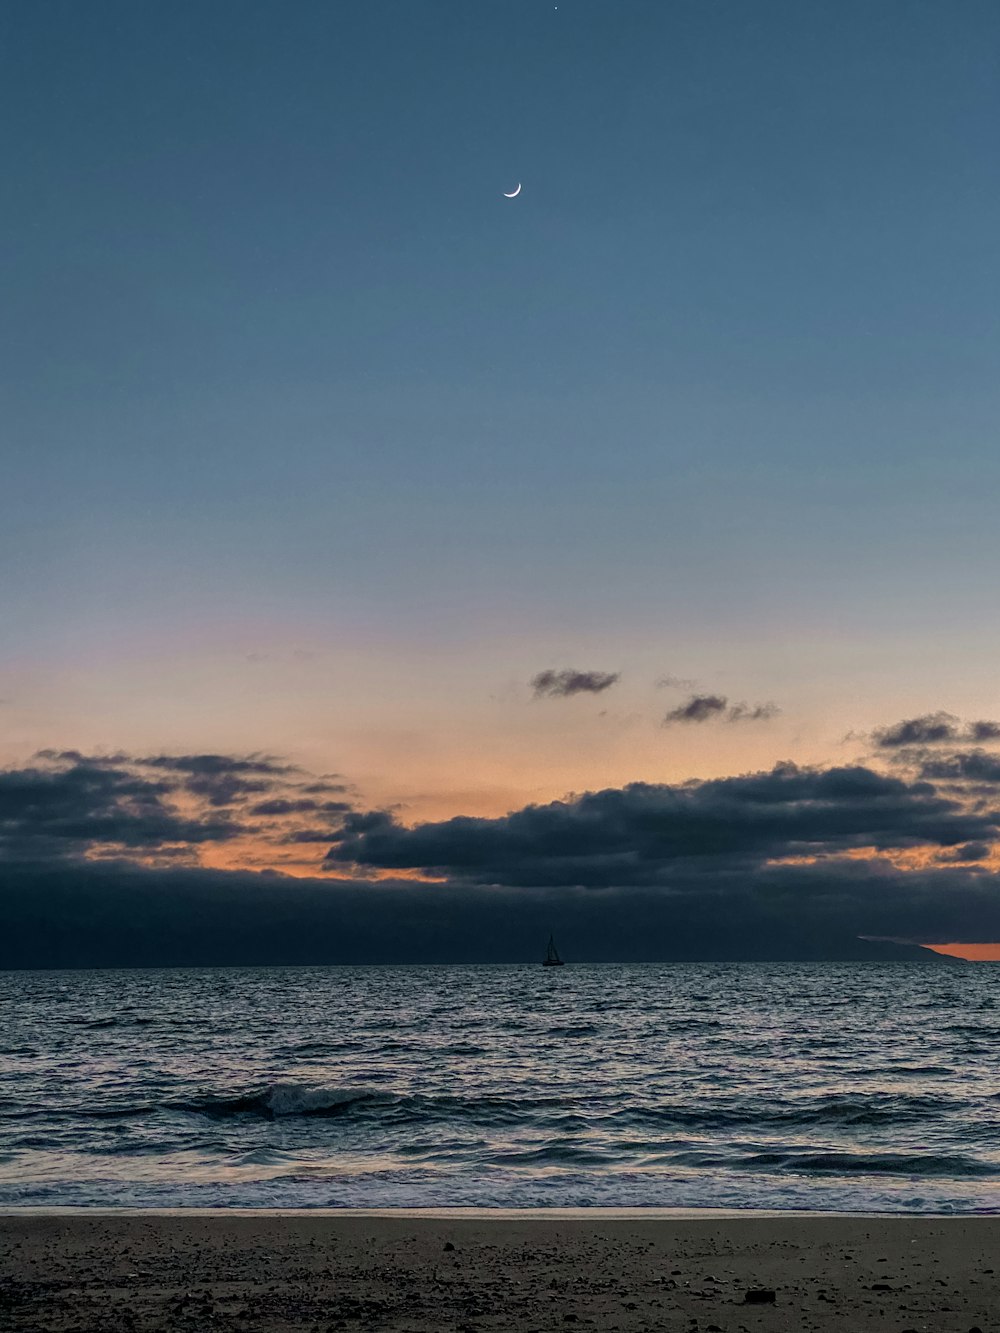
(975, 953)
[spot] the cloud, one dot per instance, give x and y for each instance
(757, 713)
(214, 765)
(929, 729)
(222, 779)
(562, 684)
(114, 760)
(675, 683)
(68, 805)
(119, 915)
(699, 708)
(643, 834)
(307, 835)
(934, 729)
(100, 867)
(299, 805)
(971, 851)
(222, 789)
(973, 766)
(702, 707)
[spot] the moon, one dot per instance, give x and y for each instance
(514, 194)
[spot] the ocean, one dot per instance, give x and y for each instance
(868, 1087)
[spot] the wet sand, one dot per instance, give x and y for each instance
(318, 1272)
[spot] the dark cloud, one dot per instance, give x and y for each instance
(754, 713)
(117, 915)
(927, 730)
(67, 805)
(219, 779)
(934, 729)
(702, 707)
(221, 789)
(974, 766)
(115, 760)
(284, 806)
(562, 684)
(699, 708)
(213, 765)
(308, 835)
(971, 851)
(643, 834)
(222, 779)
(368, 821)
(99, 868)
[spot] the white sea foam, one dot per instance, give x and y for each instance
(285, 1099)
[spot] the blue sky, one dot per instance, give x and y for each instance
(312, 440)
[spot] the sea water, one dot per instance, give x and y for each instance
(860, 1087)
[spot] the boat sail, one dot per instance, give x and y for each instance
(552, 958)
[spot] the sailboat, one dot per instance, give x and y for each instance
(552, 958)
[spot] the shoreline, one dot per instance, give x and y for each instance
(120, 1271)
(443, 1213)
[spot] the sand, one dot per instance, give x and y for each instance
(232, 1271)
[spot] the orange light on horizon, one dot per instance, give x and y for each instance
(972, 953)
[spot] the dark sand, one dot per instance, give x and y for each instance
(319, 1272)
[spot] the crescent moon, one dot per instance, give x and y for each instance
(515, 193)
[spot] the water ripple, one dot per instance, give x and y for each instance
(851, 1087)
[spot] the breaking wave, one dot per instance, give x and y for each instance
(283, 1099)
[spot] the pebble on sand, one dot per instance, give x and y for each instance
(759, 1296)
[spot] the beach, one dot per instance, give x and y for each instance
(467, 1272)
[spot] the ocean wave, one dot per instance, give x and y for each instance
(281, 1100)
(912, 1071)
(416, 1087)
(846, 1110)
(554, 1154)
(866, 1109)
(952, 1166)
(322, 1047)
(557, 1111)
(284, 1099)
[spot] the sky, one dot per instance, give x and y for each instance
(320, 452)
